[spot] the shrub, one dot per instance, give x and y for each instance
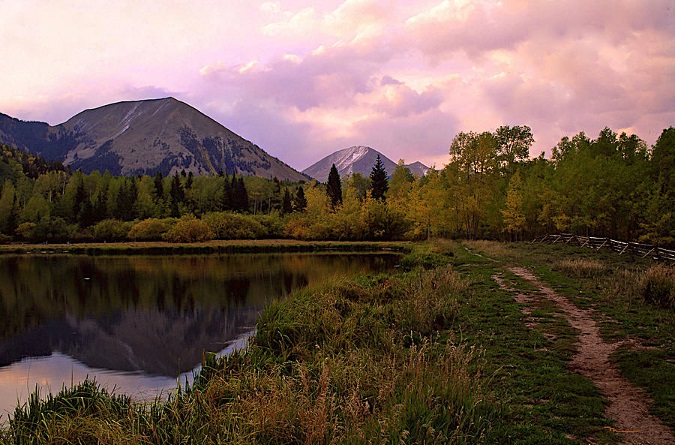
(83, 236)
(54, 229)
(111, 230)
(189, 229)
(226, 225)
(26, 231)
(272, 224)
(657, 286)
(150, 229)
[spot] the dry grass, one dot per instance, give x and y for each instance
(581, 267)
(657, 285)
(653, 285)
(494, 249)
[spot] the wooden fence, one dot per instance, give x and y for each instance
(643, 250)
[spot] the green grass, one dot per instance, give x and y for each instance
(632, 297)
(435, 353)
(544, 402)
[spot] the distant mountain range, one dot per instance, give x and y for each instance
(144, 137)
(166, 135)
(357, 159)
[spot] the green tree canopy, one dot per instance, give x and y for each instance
(513, 145)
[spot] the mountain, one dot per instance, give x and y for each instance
(357, 159)
(144, 137)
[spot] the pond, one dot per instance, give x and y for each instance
(140, 324)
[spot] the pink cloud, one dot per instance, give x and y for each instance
(424, 137)
(326, 77)
(302, 79)
(399, 100)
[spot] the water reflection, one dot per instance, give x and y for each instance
(139, 317)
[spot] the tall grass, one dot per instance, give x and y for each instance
(85, 413)
(365, 361)
(657, 286)
(654, 285)
(581, 267)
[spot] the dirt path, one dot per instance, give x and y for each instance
(628, 405)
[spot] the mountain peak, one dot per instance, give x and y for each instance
(356, 159)
(145, 137)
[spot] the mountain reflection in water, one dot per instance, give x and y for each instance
(149, 315)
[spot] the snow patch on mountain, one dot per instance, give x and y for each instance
(357, 159)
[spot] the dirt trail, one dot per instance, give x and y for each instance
(628, 405)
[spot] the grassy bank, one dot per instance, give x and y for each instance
(435, 353)
(208, 247)
(351, 361)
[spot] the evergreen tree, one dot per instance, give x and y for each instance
(299, 201)
(13, 220)
(177, 195)
(190, 181)
(86, 217)
(379, 181)
(7, 205)
(275, 199)
(286, 203)
(126, 200)
(334, 187)
(240, 195)
(226, 196)
(159, 186)
(101, 205)
(80, 198)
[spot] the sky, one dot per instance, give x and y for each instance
(302, 79)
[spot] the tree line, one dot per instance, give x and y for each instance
(614, 186)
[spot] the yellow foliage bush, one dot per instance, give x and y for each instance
(189, 229)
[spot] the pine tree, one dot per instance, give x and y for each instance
(334, 187)
(101, 205)
(126, 200)
(190, 181)
(159, 187)
(299, 201)
(379, 181)
(241, 195)
(226, 199)
(177, 195)
(286, 203)
(80, 198)
(275, 199)
(86, 217)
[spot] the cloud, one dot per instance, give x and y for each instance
(325, 77)
(425, 137)
(479, 27)
(303, 79)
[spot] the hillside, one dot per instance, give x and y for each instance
(144, 137)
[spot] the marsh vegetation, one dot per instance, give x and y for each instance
(435, 353)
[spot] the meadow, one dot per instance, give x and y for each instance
(455, 347)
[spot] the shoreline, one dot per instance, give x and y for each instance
(209, 247)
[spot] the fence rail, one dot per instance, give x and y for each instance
(593, 242)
